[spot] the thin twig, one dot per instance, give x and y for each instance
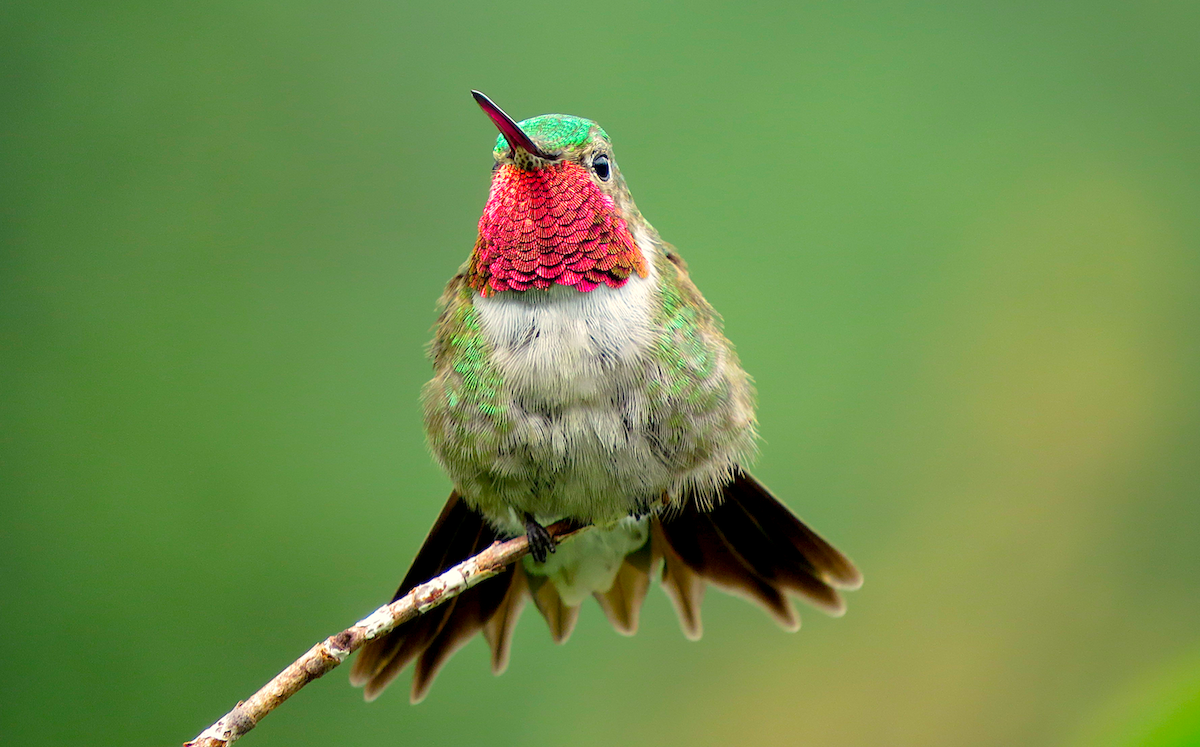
(333, 650)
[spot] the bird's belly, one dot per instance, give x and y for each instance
(591, 462)
(580, 441)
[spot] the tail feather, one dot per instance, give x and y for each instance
(560, 616)
(775, 561)
(700, 542)
(622, 603)
(750, 544)
(469, 616)
(498, 631)
(683, 586)
(457, 534)
(785, 529)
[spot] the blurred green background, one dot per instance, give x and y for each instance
(958, 245)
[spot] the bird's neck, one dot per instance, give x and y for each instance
(548, 227)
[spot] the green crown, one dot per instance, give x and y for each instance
(554, 132)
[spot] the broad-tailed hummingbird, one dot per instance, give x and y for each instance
(579, 374)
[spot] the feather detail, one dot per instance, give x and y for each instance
(784, 527)
(777, 560)
(751, 545)
(622, 603)
(748, 544)
(559, 616)
(458, 534)
(470, 615)
(499, 630)
(684, 587)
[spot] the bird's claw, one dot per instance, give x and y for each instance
(541, 544)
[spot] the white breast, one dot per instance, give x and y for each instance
(561, 346)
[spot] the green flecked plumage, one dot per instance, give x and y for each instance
(554, 132)
(704, 399)
(688, 359)
(468, 402)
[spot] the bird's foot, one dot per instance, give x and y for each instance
(541, 544)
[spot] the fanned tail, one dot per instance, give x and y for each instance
(748, 544)
(751, 545)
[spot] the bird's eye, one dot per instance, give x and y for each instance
(600, 166)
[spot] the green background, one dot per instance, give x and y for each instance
(958, 246)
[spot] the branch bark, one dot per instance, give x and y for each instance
(335, 649)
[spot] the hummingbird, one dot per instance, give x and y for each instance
(579, 374)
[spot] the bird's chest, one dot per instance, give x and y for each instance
(562, 349)
(575, 369)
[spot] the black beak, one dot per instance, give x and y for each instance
(513, 134)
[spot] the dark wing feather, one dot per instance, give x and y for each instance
(775, 560)
(457, 534)
(474, 608)
(499, 630)
(783, 527)
(750, 544)
(698, 538)
(684, 586)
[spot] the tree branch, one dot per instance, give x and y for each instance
(334, 650)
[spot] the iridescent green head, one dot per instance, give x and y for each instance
(554, 133)
(544, 140)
